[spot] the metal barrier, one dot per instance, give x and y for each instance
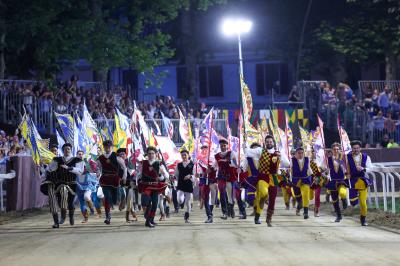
(376, 135)
(353, 119)
(379, 85)
(389, 187)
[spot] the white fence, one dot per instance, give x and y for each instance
(385, 185)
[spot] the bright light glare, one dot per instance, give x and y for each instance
(236, 26)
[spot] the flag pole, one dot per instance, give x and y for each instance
(209, 142)
(344, 152)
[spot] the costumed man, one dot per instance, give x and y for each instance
(337, 185)
(267, 183)
(129, 186)
(250, 165)
(111, 170)
(358, 165)
(152, 174)
(87, 185)
(60, 184)
(318, 181)
(287, 190)
(184, 173)
(225, 164)
(209, 186)
(301, 179)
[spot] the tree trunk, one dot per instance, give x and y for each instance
(188, 30)
(390, 65)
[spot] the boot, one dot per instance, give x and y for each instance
(287, 206)
(134, 216)
(224, 217)
(305, 213)
(167, 211)
(127, 217)
(363, 220)
(63, 216)
(85, 215)
(293, 202)
(108, 218)
(98, 210)
(327, 197)
(269, 218)
(228, 209)
(257, 219)
(316, 212)
(148, 223)
(209, 220)
(56, 223)
(187, 218)
(71, 217)
(212, 208)
(152, 221)
(232, 211)
(338, 212)
(298, 211)
(90, 205)
(344, 203)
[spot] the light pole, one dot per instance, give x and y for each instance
(237, 26)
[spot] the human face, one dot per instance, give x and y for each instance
(122, 155)
(80, 155)
(151, 155)
(54, 150)
(356, 149)
(67, 151)
(335, 151)
(184, 156)
(299, 154)
(223, 147)
(269, 143)
(107, 149)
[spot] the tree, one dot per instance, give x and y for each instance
(367, 32)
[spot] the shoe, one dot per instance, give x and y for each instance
(209, 220)
(232, 211)
(257, 219)
(135, 219)
(338, 218)
(316, 212)
(152, 221)
(242, 217)
(363, 221)
(63, 216)
(162, 218)
(127, 217)
(287, 206)
(297, 212)
(149, 224)
(108, 218)
(224, 217)
(305, 214)
(167, 211)
(71, 217)
(85, 217)
(56, 223)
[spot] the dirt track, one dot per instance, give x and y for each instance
(292, 241)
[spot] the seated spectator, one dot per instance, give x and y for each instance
(392, 144)
(294, 95)
(389, 124)
(385, 141)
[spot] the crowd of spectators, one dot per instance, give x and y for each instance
(382, 109)
(10, 145)
(68, 97)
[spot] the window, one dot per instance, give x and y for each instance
(210, 81)
(271, 76)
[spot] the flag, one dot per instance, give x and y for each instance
(169, 152)
(247, 101)
(169, 127)
(60, 140)
(122, 130)
(189, 144)
(319, 143)
(183, 127)
(305, 138)
(289, 137)
(344, 138)
(89, 129)
(67, 126)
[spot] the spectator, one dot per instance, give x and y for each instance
(389, 124)
(294, 95)
(383, 100)
(385, 141)
(379, 121)
(392, 144)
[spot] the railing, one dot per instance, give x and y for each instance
(353, 119)
(379, 85)
(385, 185)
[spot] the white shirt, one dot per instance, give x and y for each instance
(164, 173)
(192, 177)
(232, 163)
(120, 162)
(256, 155)
(358, 159)
(78, 169)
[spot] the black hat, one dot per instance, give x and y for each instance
(67, 145)
(335, 144)
(299, 147)
(120, 150)
(184, 150)
(151, 148)
(107, 143)
(204, 146)
(53, 146)
(355, 142)
(254, 145)
(223, 141)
